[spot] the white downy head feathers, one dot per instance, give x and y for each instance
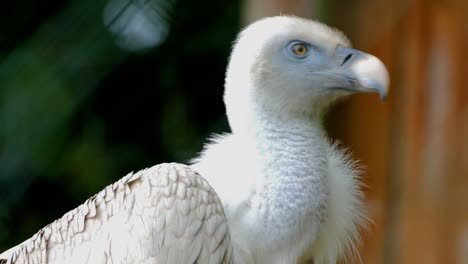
(264, 70)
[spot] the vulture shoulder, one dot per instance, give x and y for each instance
(164, 214)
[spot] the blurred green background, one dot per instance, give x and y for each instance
(91, 90)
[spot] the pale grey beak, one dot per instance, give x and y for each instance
(370, 73)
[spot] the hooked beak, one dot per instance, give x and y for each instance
(370, 73)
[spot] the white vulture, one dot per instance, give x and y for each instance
(274, 190)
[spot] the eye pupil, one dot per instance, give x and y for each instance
(300, 49)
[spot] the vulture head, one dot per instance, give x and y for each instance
(295, 66)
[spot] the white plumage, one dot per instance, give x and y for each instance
(286, 194)
(164, 214)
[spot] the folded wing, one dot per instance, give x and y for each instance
(164, 214)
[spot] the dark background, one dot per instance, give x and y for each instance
(78, 110)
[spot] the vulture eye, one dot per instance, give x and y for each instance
(299, 49)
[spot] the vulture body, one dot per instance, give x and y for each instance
(284, 192)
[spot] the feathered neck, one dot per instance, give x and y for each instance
(258, 110)
(291, 152)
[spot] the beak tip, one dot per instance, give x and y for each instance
(380, 87)
(372, 74)
(383, 97)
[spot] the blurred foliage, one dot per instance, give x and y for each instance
(79, 110)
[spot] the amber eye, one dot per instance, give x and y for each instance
(299, 49)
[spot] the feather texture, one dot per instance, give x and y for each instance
(164, 214)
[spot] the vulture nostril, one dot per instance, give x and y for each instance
(347, 58)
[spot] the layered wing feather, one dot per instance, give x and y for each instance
(164, 214)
